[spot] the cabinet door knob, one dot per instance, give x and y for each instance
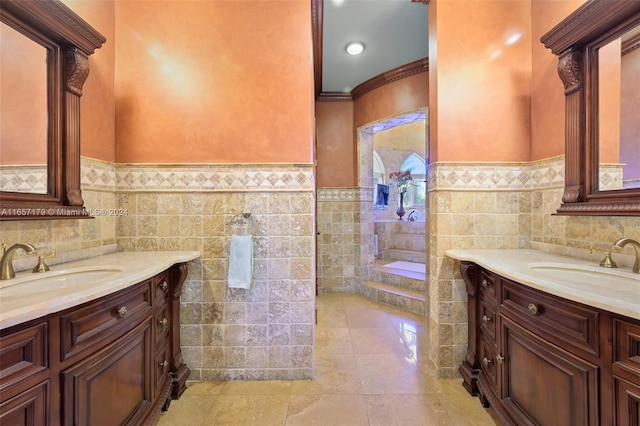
(163, 322)
(163, 286)
(486, 318)
(533, 309)
(485, 283)
(486, 361)
(164, 364)
(499, 358)
(122, 311)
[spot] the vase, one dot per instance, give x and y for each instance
(400, 212)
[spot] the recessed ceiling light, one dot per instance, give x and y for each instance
(355, 48)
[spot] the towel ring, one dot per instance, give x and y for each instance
(241, 218)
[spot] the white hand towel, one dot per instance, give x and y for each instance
(240, 262)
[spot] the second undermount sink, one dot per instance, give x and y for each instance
(584, 273)
(59, 280)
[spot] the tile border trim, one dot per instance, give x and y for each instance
(101, 175)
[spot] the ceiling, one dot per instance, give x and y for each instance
(394, 32)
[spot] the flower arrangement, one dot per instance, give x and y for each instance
(402, 180)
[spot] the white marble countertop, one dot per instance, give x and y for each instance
(23, 299)
(615, 290)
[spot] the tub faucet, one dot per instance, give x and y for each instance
(636, 245)
(6, 264)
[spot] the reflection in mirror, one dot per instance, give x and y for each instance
(619, 112)
(24, 121)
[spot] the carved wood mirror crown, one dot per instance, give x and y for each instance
(66, 42)
(602, 130)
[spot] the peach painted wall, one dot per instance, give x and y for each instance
(405, 95)
(337, 124)
(481, 67)
(547, 105)
(335, 149)
(97, 105)
(214, 81)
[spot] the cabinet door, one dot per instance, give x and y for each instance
(627, 402)
(113, 386)
(28, 408)
(543, 384)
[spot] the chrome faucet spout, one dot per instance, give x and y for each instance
(6, 263)
(636, 245)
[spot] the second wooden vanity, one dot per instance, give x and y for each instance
(540, 359)
(113, 360)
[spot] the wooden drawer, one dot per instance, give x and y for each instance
(488, 287)
(161, 290)
(101, 322)
(487, 321)
(162, 326)
(626, 346)
(161, 370)
(23, 357)
(489, 364)
(568, 324)
(31, 407)
(627, 407)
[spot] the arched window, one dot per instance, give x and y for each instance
(417, 193)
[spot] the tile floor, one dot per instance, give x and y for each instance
(369, 371)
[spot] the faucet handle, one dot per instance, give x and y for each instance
(41, 266)
(607, 261)
(4, 248)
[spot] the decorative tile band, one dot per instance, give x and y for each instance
(97, 174)
(496, 176)
(28, 178)
(345, 194)
(101, 175)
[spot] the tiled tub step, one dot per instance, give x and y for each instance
(411, 280)
(407, 255)
(403, 298)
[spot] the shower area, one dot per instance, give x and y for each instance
(397, 262)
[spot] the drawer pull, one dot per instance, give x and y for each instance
(485, 319)
(486, 361)
(122, 312)
(164, 364)
(499, 358)
(163, 286)
(485, 283)
(163, 322)
(533, 309)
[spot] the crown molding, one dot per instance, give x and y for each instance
(403, 71)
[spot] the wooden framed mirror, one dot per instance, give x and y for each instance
(598, 47)
(45, 50)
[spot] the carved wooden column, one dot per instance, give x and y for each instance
(179, 370)
(76, 71)
(470, 367)
(570, 70)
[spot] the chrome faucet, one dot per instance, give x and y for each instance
(6, 264)
(410, 217)
(636, 245)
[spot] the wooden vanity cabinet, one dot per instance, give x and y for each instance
(538, 359)
(110, 361)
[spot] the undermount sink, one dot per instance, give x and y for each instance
(57, 280)
(585, 273)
